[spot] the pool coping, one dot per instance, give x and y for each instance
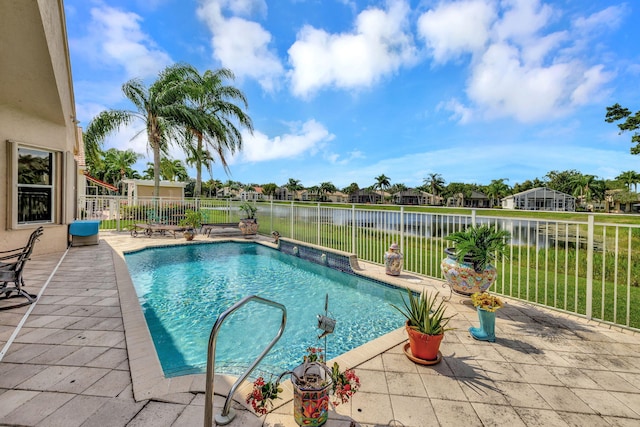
(147, 376)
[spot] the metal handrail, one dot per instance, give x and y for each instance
(227, 412)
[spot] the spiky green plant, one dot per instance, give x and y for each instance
(423, 314)
(480, 245)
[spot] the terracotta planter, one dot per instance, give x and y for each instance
(189, 235)
(463, 278)
(423, 346)
(248, 226)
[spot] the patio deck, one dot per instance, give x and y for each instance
(82, 358)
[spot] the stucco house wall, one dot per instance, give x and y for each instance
(37, 110)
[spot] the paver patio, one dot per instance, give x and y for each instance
(74, 359)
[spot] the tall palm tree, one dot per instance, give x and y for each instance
(497, 189)
(292, 186)
(197, 158)
(629, 178)
(435, 182)
(159, 107)
(118, 166)
(326, 188)
(382, 183)
(215, 105)
(581, 187)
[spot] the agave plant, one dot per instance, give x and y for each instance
(424, 314)
(479, 245)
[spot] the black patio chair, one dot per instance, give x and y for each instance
(12, 264)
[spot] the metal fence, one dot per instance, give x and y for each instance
(584, 267)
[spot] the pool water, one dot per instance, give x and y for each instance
(183, 289)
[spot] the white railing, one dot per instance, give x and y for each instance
(583, 267)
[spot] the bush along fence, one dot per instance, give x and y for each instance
(585, 267)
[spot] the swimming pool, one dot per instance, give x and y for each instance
(183, 289)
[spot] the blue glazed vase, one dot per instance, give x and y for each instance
(487, 329)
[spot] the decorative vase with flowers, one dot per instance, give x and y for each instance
(313, 383)
(486, 304)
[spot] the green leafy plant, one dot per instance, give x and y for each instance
(249, 210)
(424, 313)
(479, 245)
(192, 219)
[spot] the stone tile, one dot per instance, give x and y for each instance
(54, 354)
(82, 356)
(573, 377)
(191, 416)
(23, 353)
(79, 380)
(583, 420)
(541, 418)
(13, 374)
(562, 399)
(114, 413)
(604, 403)
(156, 414)
(75, 412)
(46, 378)
(615, 382)
(372, 381)
(632, 400)
(443, 387)
(36, 409)
(397, 362)
(455, 414)
(522, 395)
(412, 411)
(497, 415)
(502, 371)
(110, 385)
(371, 408)
(482, 390)
(406, 384)
(11, 399)
(111, 358)
(534, 374)
(621, 422)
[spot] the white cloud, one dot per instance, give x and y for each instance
(456, 28)
(240, 44)
(304, 138)
(518, 68)
(116, 38)
(378, 46)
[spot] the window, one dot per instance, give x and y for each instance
(35, 185)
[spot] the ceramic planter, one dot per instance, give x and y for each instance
(423, 346)
(463, 278)
(312, 384)
(393, 261)
(248, 226)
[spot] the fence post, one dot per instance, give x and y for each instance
(473, 217)
(116, 212)
(590, 240)
(318, 226)
(353, 229)
(402, 227)
(292, 221)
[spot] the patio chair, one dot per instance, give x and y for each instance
(12, 264)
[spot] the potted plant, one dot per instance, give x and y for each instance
(468, 266)
(426, 324)
(486, 305)
(313, 384)
(192, 220)
(249, 224)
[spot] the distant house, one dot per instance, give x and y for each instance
(416, 197)
(282, 193)
(475, 200)
(337, 197)
(253, 194)
(364, 196)
(540, 199)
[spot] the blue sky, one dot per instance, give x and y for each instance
(344, 91)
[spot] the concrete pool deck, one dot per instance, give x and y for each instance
(82, 358)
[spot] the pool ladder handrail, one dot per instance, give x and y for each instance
(228, 413)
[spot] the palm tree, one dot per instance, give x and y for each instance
(581, 187)
(293, 186)
(326, 188)
(382, 183)
(497, 189)
(435, 182)
(351, 188)
(117, 166)
(629, 178)
(159, 107)
(217, 114)
(173, 170)
(197, 158)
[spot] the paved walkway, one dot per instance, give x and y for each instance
(71, 363)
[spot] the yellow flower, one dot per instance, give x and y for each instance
(486, 301)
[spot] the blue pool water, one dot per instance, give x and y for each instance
(183, 289)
